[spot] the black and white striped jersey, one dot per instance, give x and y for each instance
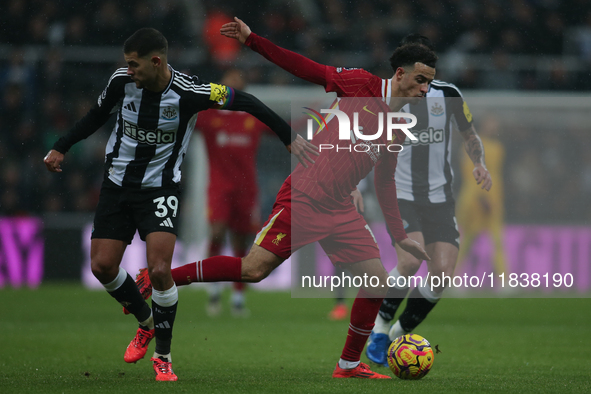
(424, 172)
(152, 130)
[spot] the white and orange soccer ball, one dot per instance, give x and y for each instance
(410, 357)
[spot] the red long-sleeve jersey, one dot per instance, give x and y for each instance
(338, 171)
(232, 140)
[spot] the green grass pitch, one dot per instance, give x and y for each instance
(66, 339)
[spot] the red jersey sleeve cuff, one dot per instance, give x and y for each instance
(250, 39)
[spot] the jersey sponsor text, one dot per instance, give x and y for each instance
(426, 137)
(152, 137)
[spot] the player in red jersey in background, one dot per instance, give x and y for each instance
(232, 139)
(314, 203)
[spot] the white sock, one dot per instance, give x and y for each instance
(149, 322)
(167, 297)
(165, 356)
(428, 294)
(344, 364)
(396, 331)
(382, 326)
(395, 281)
(117, 282)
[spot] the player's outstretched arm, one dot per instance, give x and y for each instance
(292, 62)
(413, 247)
(237, 30)
(294, 143)
(53, 161)
(475, 150)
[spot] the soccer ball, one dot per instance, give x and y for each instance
(410, 357)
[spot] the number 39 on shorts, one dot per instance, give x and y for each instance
(163, 205)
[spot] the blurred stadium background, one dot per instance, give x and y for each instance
(526, 63)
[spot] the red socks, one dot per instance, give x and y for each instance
(212, 269)
(363, 316)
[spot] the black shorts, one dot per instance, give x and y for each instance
(437, 221)
(120, 212)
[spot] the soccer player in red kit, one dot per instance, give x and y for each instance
(232, 140)
(314, 204)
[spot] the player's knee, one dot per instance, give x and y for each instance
(409, 266)
(254, 269)
(255, 274)
(159, 274)
(103, 270)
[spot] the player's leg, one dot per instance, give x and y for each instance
(216, 242)
(423, 299)
(351, 244)
(442, 239)
(114, 229)
(105, 258)
(240, 242)
(156, 215)
(159, 250)
(407, 266)
(274, 236)
(363, 314)
(340, 310)
(219, 214)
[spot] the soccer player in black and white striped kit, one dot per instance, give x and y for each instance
(156, 109)
(424, 189)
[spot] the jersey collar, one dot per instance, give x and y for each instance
(173, 72)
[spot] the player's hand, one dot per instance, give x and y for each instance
(238, 30)
(482, 175)
(414, 248)
(358, 200)
(53, 161)
(301, 148)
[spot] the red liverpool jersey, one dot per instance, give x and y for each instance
(232, 139)
(337, 172)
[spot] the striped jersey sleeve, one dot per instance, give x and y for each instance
(108, 103)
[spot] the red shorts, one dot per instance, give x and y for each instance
(237, 208)
(297, 220)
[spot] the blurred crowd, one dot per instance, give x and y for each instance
(47, 81)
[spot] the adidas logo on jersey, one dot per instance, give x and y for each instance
(167, 223)
(130, 107)
(425, 137)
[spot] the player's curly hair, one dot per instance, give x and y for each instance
(408, 55)
(145, 41)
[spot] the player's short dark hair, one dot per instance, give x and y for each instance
(145, 41)
(416, 38)
(408, 55)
